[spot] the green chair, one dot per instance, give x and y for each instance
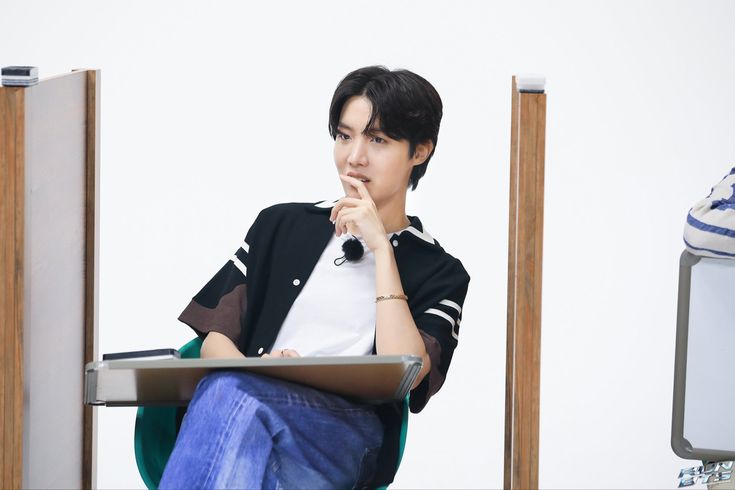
(156, 429)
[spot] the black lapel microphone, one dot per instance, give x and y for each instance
(353, 251)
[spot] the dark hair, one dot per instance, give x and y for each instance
(407, 105)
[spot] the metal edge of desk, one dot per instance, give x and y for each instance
(414, 364)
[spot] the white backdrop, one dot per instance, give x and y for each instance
(211, 112)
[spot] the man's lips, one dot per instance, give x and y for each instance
(359, 176)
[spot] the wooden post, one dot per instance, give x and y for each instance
(12, 206)
(91, 269)
(525, 252)
(49, 256)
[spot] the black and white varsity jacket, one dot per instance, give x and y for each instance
(249, 297)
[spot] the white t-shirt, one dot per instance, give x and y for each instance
(334, 315)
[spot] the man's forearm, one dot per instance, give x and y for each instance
(396, 332)
(218, 345)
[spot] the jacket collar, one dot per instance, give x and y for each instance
(416, 228)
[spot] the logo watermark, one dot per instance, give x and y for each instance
(711, 473)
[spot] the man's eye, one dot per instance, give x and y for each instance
(342, 136)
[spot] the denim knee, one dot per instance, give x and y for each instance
(220, 376)
(218, 384)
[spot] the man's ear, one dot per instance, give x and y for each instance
(422, 152)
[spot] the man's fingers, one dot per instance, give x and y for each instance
(342, 204)
(350, 200)
(281, 353)
(343, 220)
(357, 184)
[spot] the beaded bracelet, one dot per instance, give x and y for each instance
(391, 296)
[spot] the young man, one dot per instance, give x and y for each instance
(290, 290)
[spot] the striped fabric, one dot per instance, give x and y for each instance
(451, 312)
(240, 258)
(710, 225)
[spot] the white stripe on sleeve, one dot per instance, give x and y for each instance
(240, 265)
(451, 303)
(448, 318)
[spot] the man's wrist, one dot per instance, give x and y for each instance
(384, 248)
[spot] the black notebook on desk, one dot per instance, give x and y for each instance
(150, 355)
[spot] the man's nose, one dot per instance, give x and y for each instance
(358, 153)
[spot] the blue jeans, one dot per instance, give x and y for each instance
(243, 430)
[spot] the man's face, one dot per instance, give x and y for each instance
(381, 162)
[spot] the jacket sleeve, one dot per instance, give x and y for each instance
(710, 225)
(439, 327)
(221, 304)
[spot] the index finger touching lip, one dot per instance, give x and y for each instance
(357, 184)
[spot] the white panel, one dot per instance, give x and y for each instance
(53, 335)
(710, 393)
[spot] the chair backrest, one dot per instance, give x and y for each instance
(705, 339)
(156, 429)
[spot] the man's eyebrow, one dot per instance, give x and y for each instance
(342, 125)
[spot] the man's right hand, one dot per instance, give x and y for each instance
(282, 353)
